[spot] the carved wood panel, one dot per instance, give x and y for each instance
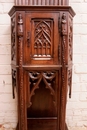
(41, 42)
(41, 2)
(42, 87)
(43, 38)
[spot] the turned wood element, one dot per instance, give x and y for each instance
(14, 73)
(48, 78)
(21, 90)
(41, 2)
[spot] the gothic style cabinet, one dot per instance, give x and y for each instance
(41, 55)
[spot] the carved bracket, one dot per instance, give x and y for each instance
(48, 78)
(70, 81)
(13, 81)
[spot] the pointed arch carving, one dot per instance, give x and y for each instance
(48, 78)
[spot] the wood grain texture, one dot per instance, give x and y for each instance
(42, 38)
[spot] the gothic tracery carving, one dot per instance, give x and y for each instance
(35, 78)
(43, 38)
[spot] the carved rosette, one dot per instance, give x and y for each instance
(14, 73)
(48, 78)
(20, 43)
(63, 89)
(13, 45)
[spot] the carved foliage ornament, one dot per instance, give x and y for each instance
(64, 34)
(48, 78)
(70, 40)
(13, 45)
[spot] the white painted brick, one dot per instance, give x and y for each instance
(6, 98)
(5, 80)
(5, 49)
(84, 59)
(80, 49)
(83, 96)
(76, 1)
(84, 112)
(7, 7)
(78, 19)
(80, 29)
(5, 69)
(80, 69)
(76, 87)
(78, 128)
(5, 30)
(7, 1)
(1, 8)
(5, 89)
(84, 78)
(77, 58)
(4, 19)
(75, 97)
(69, 113)
(76, 78)
(5, 59)
(5, 39)
(77, 118)
(83, 87)
(8, 106)
(77, 112)
(76, 105)
(83, 39)
(82, 123)
(80, 8)
(76, 39)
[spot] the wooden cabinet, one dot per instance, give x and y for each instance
(41, 54)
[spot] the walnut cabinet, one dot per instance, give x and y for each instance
(41, 55)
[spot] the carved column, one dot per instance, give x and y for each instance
(63, 71)
(22, 120)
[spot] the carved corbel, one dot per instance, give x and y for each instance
(13, 81)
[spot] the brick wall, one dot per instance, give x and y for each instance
(77, 105)
(8, 109)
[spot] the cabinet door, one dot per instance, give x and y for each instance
(42, 38)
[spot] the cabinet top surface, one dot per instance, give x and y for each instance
(41, 8)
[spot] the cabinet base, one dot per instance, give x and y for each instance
(66, 128)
